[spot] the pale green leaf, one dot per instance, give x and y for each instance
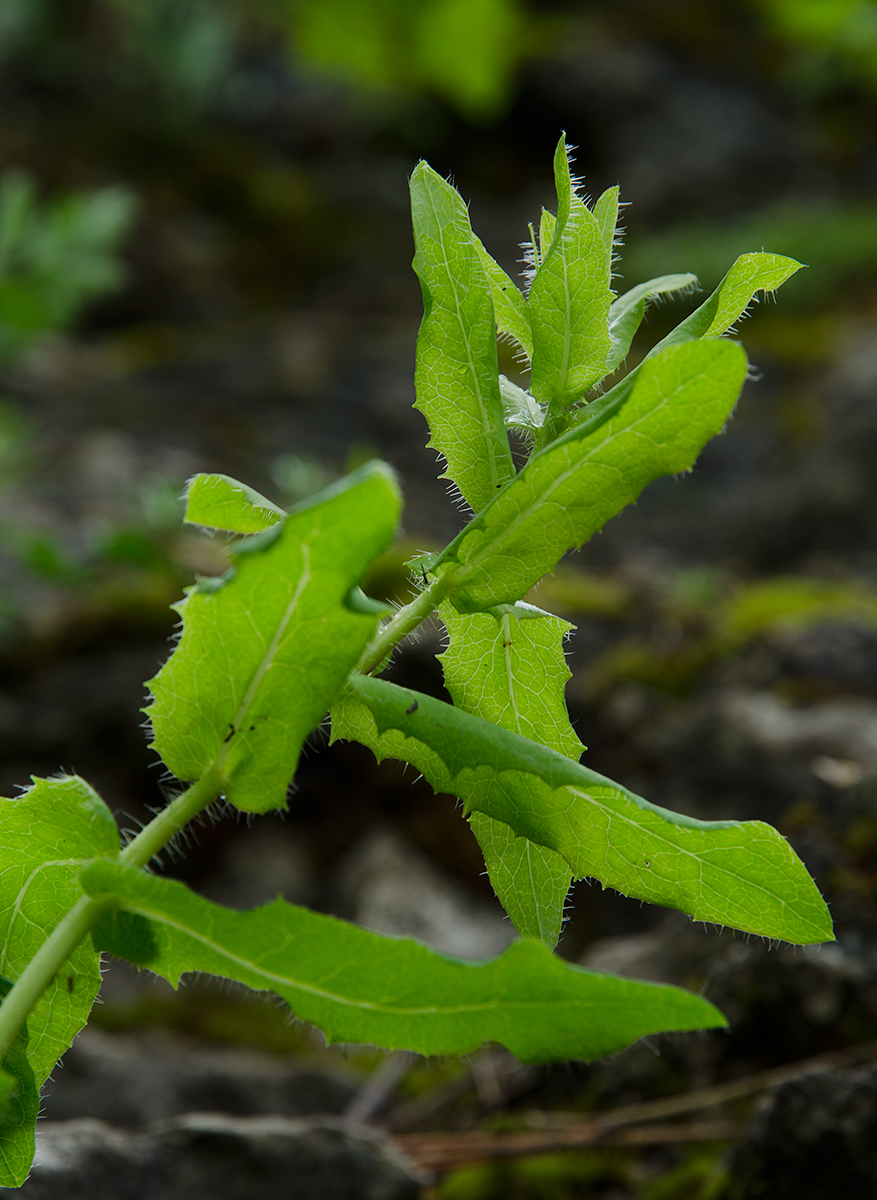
(512, 671)
(569, 301)
(46, 836)
(519, 408)
(679, 400)
(219, 502)
(264, 649)
(740, 874)
(357, 986)
(509, 303)
(547, 227)
(457, 378)
(627, 312)
(606, 216)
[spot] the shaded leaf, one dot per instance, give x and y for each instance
(357, 986)
(509, 668)
(509, 303)
(627, 312)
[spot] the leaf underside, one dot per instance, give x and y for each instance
(742, 874)
(357, 986)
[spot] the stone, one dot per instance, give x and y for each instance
(816, 1138)
(221, 1157)
(132, 1080)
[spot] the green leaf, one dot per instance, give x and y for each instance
(627, 312)
(19, 1109)
(357, 986)
(218, 502)
(751, 273)
(519, 408)
(46, 835)
(547, 228)
(509, 303)
(606, 216)
(265, 649)
(569, 301)
(509, 668)
(740, 874)
(678, 401)
(457, 378)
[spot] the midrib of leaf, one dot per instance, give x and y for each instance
(268, 658)
(507, 659)
(271, 977)
(488, 547)
(675, 848)
(16, 908)
(483, 411)
(561, 242)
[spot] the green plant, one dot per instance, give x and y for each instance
(286, 635)
(55, 257)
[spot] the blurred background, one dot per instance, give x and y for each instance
(205, 265)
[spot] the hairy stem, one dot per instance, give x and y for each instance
(69, 932)
(44, 966)
(167, 824)
(405, 620)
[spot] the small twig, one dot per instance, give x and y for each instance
(379, 1087)
(720, 1093)
(445, 1151)
(442, 1151)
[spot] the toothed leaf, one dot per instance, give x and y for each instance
(46, 836)
(509, 668)
(751, 273)
(679, 400)
(457, 378)
(264, 650)
(357, 986)
(569, 301)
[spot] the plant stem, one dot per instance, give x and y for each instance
(69, 932)
(44, 966)
(403, 622)
(167, 824)
(67, 935)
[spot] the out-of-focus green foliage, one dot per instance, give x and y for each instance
(185, 46)
(55, 256)
(833, 41)
(837, 239)
(186, 53)
(466, 51)
(711, 621)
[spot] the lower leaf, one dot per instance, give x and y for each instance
(358, 986)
